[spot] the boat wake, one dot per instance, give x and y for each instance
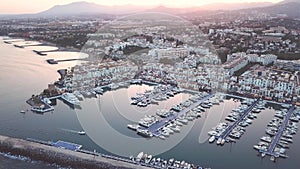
(70, 131)
(74, 131)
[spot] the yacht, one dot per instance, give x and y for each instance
(266, 139)
(113, 86)
(148, 159)
(286, 139)
(211, 139)
(98, 90)
(46, 100)
(165, 133)
(134, 102)
(133, 126)
(183, 121)
(145, 133)
(70, 98)
(219, 140)
(81, 132)
(142, 104)
(139, 156)
(162, 137)
(136, 81)
(256, 110)
(78, 95)
(222, 141)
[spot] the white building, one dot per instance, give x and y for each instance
(171, 53)
(263, 59)
(234, 65)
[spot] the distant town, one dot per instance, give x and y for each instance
(245, 54)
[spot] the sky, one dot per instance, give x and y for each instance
(34, 6)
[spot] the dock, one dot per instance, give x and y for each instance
(67, 145)
(159, 125)
(40, 107)
(54, 97)
(149, 82)
(225, 134)
(52, 61)
(270, 151)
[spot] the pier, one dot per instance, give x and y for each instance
(275, 140)
(52, 61)
(225, 134)
(149, 82)
(157, 126)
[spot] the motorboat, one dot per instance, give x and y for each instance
(211, 139)
(70, 98)
(81, 132)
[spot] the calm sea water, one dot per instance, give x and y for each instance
(23, 73)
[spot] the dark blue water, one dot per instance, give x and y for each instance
(23, 73)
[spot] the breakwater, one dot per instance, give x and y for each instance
(60, 156)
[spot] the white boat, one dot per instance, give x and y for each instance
(139, 156)
(211, 139)
(183, 121)
(219, 140)
(178, 123)
(222, 141)
(113, 86)
(266, 139)
(78, 95)
(98, 90)
(142, 104)
(162, 137)
(133, 126)
(148, 159)
(134, 102)
(165, 133)
(46, 100)
(70, 98)
(212, 133)
(81, 132)
(176, 129)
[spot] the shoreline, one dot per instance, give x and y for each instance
(60, 156)
(44, 43)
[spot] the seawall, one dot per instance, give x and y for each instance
(60, 156)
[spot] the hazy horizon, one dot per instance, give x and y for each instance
(35, 6)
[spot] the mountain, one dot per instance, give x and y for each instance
(165, 9)
(87, 8)
(235, 6)
(212, 7)
(78, 8)
(287, 1)
(291, 9)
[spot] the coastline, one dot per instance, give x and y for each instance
(60, 156)
(44, 43)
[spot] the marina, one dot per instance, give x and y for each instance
(240, 120)
(283, 129)
(159, 93)
(63, 114)
(156, 162)
(151, 126)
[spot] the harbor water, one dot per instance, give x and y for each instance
(105, 119)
